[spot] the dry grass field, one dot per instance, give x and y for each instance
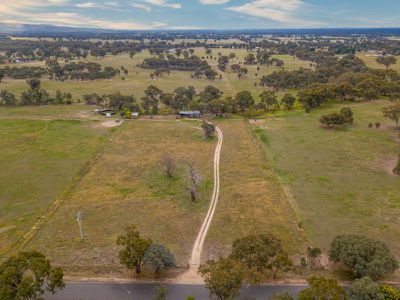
(127, 186)
(251, 198)
(371, 61)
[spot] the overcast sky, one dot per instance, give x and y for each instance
(203, 14)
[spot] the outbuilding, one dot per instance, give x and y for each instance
(190, 114)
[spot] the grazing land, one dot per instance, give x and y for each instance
(251, 198)
(371, 62)
(138, 79)
(128, 186)
(341, 179)
(40, 159)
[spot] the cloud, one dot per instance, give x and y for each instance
(164, 3)
(276, 10)
(104, 5)
(34, 12)
(141, 6)
(213, 2)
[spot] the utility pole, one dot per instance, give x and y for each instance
(79, 219)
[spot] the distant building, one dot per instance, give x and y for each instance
(189, 114)
(106, 112)
(135, 115)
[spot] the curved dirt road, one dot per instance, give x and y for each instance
(198, 245)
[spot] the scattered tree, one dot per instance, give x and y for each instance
(389, 292)
(208, 129)
(169, 165)
(363, 256)
(386, 61)
(244, 100)
(134, 248)
(396, 169)
(288, 101)
(342, 119)
(393, 113)
(194, 180)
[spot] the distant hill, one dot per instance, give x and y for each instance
(63, 31)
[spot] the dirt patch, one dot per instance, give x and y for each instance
(109, 124)
(385, 163)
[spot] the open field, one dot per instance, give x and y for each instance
(341, 179)
(39, 161)
(251, 198)
(371, 61)
(138, 79)
(127, 186)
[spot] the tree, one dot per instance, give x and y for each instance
(256, 251)
(224, 277)
(281, 262)
(208, 129)
(7, 98)
(169, 165)
(321, 288)
(159, 258)
(2, 75)
(269, 99)
(386, 61)
(34, 84)
(134, 248)
(389, 292)
(28, 275)
(161, 293)
(393, 113)
(365, 289)
(288, 100)
(244, 100)
(396, 169)
(281, 296)
(194, 180)
(363, 256)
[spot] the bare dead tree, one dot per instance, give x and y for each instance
(168, 164)
(194, 180)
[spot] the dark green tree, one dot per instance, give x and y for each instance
(268, 99)
(363, 256)
(28, 275)
(244, 100)
(288, 101)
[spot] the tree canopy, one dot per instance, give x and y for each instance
(363, 256)
(28, 275)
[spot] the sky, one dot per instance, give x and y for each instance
(203, 14)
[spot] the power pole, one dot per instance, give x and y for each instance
(79, 219)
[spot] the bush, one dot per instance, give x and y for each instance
(341, 119)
